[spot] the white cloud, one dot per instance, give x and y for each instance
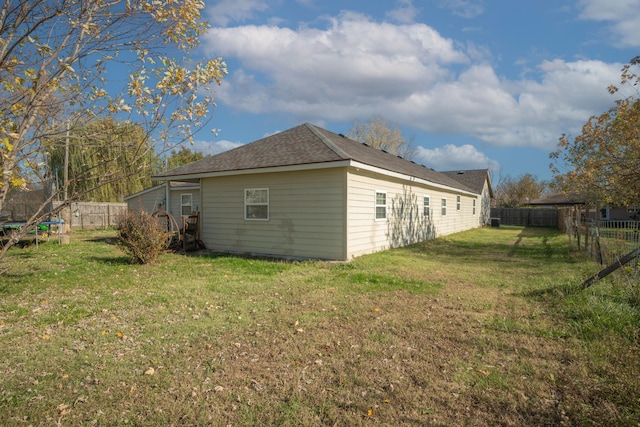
(453, 157)
(405, 13)
(304, 70)
(226, 11)
(464, 8)
(623, 16)
(213, 148)
(410, 75)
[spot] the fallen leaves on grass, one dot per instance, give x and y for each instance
(63, 409)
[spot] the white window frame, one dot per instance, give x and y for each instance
(426, 206)
(458, 202)
(259, 203)
(443, 207)
(183, 204)
(380, 206)
(474, 206)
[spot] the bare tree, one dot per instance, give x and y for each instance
(380, 134)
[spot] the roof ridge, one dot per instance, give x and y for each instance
(326, 141)
(467, 170)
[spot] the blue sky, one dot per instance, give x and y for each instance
(473, 83)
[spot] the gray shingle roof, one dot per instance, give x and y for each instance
(474, 178)
(304, 145)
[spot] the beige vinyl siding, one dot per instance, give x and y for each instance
(306, 214)
(455, 220)
(405, 222)
(147, 201)
(176, 205)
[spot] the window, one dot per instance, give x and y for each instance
(474, 206)
(444, 207)
(425, 204)
(458, 203)
(381, 205)
(186, 204)
(256, 203)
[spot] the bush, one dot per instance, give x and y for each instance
(142, 237)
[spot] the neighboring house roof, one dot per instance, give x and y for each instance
(307, 144)
(559, 199)
(173, 185)
(473, 178)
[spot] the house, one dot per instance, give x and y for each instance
(310, 193)
(183, 197)
(479, 181)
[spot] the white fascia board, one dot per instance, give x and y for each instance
(293, 168)
(410, 178)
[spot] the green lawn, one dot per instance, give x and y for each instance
(486, 327)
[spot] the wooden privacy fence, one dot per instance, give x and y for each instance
(528, 217)
(94, 215)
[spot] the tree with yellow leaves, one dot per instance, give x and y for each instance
(603, 162)
(67, 63)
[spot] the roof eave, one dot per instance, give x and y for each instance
(288, 168)
(412, 178)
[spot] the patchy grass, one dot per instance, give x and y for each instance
(486, 327)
